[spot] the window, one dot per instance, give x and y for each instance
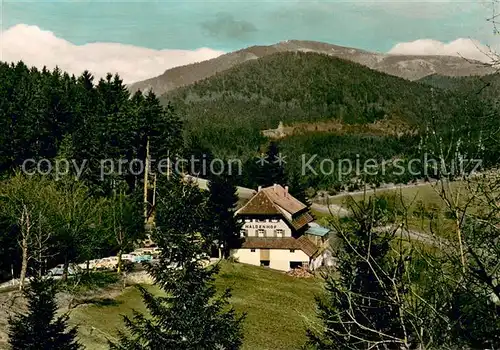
(244, 233)
(261, 233)
(296, 264)
(279, 233)
(292, 250)
(264, 263)
(275, 220)
(248, 220)
(252, 250)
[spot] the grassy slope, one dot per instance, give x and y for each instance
(277, 307)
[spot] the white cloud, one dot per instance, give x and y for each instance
(40, 48)
(467, 48)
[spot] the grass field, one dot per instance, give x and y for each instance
(424, 193)
(277, 307)
(414, 198)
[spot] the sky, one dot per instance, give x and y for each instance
(140, 39)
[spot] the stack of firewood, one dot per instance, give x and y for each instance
(300, 272)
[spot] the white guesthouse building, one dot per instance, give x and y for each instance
(279, 232)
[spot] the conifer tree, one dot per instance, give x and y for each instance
(272, 170)
(199, 157)
(39, 328)
(222, 202)
(297, 188)
(191, 315)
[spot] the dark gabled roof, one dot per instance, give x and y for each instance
(301, 220)
(259, 204)
(269, 200)
(307, 246)
(302, 243)
(285, 200)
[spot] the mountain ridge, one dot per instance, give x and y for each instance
(405, 66)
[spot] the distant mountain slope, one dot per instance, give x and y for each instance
(228, 110)
(408, 67)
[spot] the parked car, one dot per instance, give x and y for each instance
(142, 258)
(91, 264)
(109, 263)
(59, 270)
(144, 251)
(128, 257)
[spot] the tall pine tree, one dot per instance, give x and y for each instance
(191, 315)
(39, 328)
(223, 198)
(271, 171)
(297, 188)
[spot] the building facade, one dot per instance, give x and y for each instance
(279, 232)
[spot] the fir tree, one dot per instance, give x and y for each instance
(39, 328)
(272, 170)
(297, 188)
(199, 157)
(191, 315)
(223, 199)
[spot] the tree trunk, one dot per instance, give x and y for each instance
(25, 232)
(24, 264)
(227, 252)
(119, 264)
(64, 276)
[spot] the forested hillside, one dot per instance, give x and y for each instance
(44, 114)
(228, 111)
(484, 87)
(296, 87)
(66, 127)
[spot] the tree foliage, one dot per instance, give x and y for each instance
(190, 314)
(40, 328)
(222, 202)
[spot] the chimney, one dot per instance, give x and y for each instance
(286, 191)
(275, 187)
(259, 189)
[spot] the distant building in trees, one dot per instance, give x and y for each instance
(279, 232)
(277, 133)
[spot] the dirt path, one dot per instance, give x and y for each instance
(412, 235)
(332, 209)
(380, 189)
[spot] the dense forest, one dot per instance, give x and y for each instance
(49, 114)
(228, 111)
(484, 87)
(45, 114)
(50, 119)
(382, 294)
